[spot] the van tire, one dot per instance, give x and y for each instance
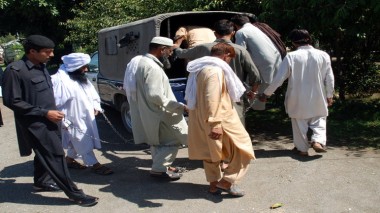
(126, 116)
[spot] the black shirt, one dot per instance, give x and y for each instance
(28, 91)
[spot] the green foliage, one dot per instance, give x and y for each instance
(347, 30)
(93, 15)
(6, 38)
(355, 123)
(88, 21)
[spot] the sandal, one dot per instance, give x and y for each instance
(318, 147)
(234, 190)
(177, 169)
(213, 189)
(101, 169)
(73, 164)
(170, 176)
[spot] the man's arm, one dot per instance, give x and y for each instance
(193, 53)
(252, 72)
(329, 83)
(283, 73)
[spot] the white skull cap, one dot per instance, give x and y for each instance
(163, 41)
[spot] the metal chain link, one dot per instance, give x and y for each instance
(71, 126)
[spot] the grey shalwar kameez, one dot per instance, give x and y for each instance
(157, 117)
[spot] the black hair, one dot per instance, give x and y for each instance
(223, 27)
(300, 36)
(240, 20)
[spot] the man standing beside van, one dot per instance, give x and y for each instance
(157, 117)
(263, 52)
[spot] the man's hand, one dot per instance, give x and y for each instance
(185, 109)
(215, 133)
(55, 115)
(329, 101)
(263, 97)
(251, 95)
(178, 41)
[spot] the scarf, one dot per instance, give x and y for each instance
(130, 78)
(234, 86)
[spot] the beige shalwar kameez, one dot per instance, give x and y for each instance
(214, 108)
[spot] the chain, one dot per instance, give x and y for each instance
(68, 124)
(130, 141)
(248, 108)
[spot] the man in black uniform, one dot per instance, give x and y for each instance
(28, 91)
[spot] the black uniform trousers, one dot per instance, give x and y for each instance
(49, 167)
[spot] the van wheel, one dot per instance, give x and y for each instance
(126, 116)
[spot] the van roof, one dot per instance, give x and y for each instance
(159, 18)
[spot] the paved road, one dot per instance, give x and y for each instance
(341, 180)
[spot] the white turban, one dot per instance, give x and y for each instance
(75, 61)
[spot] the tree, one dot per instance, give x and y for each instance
(25, 17)
(348, 30)
(88, 21)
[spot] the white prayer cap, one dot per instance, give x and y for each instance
(75, 61)
(163, 41)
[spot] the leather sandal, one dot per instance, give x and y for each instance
(318, 147)
(73, 164)
(101, 169)
(213, 189)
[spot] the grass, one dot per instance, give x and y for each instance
(354, 123)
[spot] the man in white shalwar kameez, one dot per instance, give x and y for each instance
(309, 93)
(262, 50)
(157, 117)
(77, 98)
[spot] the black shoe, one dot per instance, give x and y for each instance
(86, 200)
(46, 187)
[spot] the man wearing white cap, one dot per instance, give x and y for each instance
(77, 98)
(157, 117)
